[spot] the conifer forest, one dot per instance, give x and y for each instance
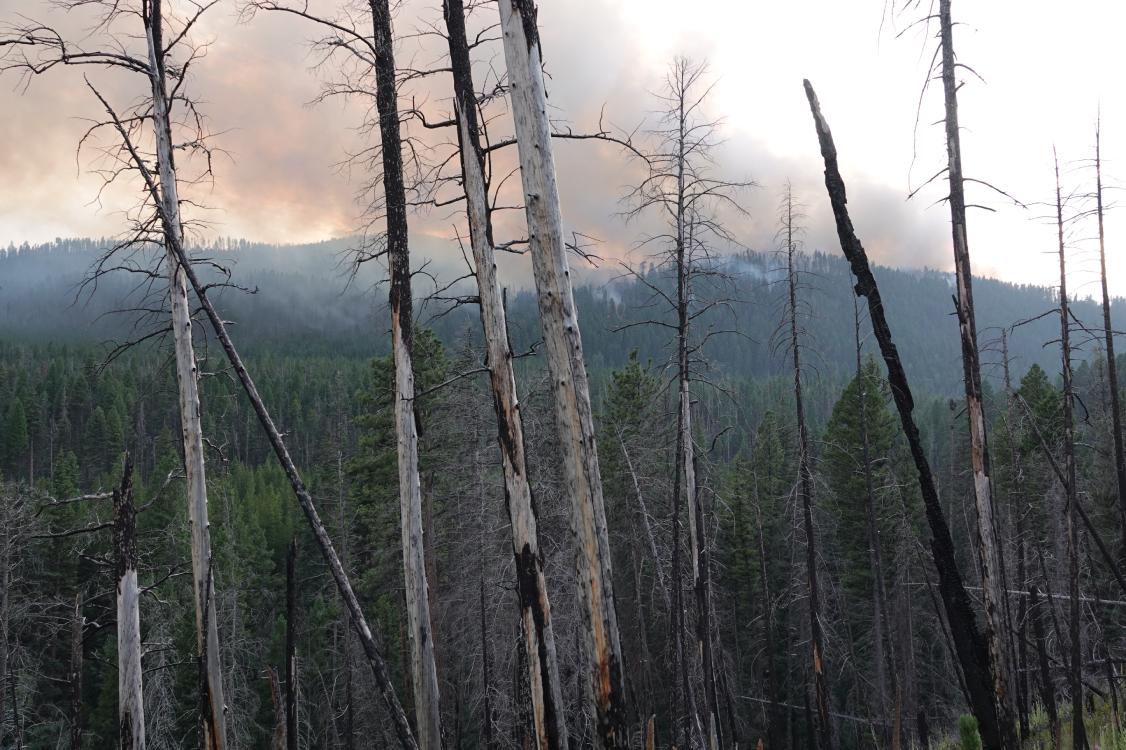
(470, 475)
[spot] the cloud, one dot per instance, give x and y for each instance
(605, 58)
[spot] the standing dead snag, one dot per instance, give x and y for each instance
(989, 551)
(805, 487)
(535, 607)
(291, 646)
(1111, 364)
(130, 700)
(1078, 730)
(424, 671)
(563, 343)
(968, 643)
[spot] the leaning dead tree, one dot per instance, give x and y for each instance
(604, 681)
(359, 622)
(163, 59)
(988, 547)
(535, 607)
(969, 646)
(130, 700)
(1078, 729)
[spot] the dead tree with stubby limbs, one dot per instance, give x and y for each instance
(1108, 333)
(1078, 728)
(946, 68)
(682, 189)
(969, 646)
(790, 335)
(152, 41)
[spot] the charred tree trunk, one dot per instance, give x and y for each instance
(130, 698)
(535, 606)
(686, 459)
(805, 497)
(1078, 730)
(76, 623)
(968, 643)
(291, 646)
(207, 631)
(563, 343)
(989, 552)
(1021, 672)
(773, 735)
(486, 689)
(424, 672)
(1111, 364)
(1047, 691)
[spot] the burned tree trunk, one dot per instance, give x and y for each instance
(76, 624)
(686, 457)
(130, 698)
(1078, 730)
(805, 497)
(291, 646)
(968, 643)
(207, 630)
(563, 343)
(535, 606)
(1047, 690)
(1111, 364)
(424, 672)
(988, 548)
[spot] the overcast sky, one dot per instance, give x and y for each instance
(1048, 67)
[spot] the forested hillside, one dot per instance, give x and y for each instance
(304, 299)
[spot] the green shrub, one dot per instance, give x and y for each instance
(967, 730)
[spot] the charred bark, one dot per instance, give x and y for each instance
(989, 552)
(1078, 729)
(1111, 364)
(535, 606)
(424, 672)
(968, 643)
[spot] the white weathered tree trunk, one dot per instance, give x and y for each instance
(563, 343)
(535, 606)
(130, 698)
(989, 552)
(207, 632)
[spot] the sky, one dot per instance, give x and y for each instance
(1048, 69)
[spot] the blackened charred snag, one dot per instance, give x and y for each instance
(971, 651)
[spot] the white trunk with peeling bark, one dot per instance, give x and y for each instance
(989, 553)
(207, 632)
(563, 345)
